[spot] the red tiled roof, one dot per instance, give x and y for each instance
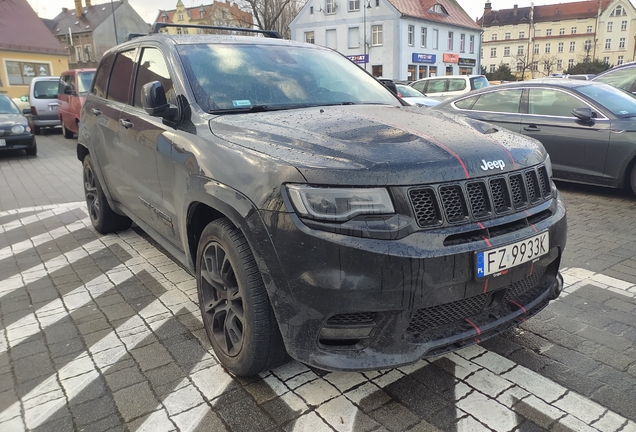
(22, 30)
(561, 11)
(420, 9)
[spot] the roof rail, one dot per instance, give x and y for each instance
(268, 33)
(131, 36)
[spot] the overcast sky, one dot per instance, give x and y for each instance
(148, 9)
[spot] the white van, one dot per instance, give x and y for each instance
(449, 86)
(43, 98)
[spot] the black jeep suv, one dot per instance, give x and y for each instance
(322, 218)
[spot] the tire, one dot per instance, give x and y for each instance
(632, 179)
(103, 218)
(37, 130)
(243, 332)
(33, 151)
(67, 133)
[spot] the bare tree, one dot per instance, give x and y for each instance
(274, 14)
(549, 64)
(524, 63)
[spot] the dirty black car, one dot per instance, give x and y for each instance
(16, 130)
(322, 218)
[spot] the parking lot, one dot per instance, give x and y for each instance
(104, 333)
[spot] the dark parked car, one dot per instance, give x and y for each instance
(321, 217)
(622, 77)
(16, 131)
(588, 128)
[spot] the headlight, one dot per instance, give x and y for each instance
(548, 166)
(17, 129)
(336, 204)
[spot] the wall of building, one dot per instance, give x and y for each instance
(622, 30)
(57, 64)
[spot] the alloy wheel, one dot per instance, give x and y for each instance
(90, 191)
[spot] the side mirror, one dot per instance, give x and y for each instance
(26, 111)
(584, 114)
(68, 89)
(153, 99)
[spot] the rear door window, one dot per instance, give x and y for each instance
(456, 84)
(506, 101)
(101, 80)
(436, 86)
(121, 77)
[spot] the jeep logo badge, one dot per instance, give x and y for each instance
(493, 165)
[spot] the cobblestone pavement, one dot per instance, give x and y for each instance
(104, 333)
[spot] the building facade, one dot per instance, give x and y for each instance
(87, 32)
(217, 14)
(27, 48)
(539, 41)
(398, 39)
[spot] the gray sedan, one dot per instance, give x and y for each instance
(588, 128)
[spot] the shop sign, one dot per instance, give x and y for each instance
(467, 62)
(424, 58)
(359, 58)
(451, 58)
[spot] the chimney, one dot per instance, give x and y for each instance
(487, 8)
(64, 10)
(78, 8)
(515, 10)
(88, 3)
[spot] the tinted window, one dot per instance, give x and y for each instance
(7, 106)
(620, 103)
(46, 89)
(103, 72)
(420, 86)
(153, 67)
(506, 101)
(121, 76)
(552, 103)
(478, 82)
(620, 78)
(466, 103)
(456, 84)
(84, 80)
(436, 86)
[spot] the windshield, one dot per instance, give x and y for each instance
(7, 106)
(619, 102)
(253, 77)
(407, 91)
(84, 81)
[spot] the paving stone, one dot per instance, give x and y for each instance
(31, 367)
(27, 348)
(182, 399)
(157, 421)
(200, 418)
(135, 401)
(317, 392)
(488, 411)
(368, 397)
(488, 383)
(243, 414)
(285, 408)
(151, 356)
(393, 416)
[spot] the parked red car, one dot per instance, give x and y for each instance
(74, 85)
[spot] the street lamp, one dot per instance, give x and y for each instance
(364, 25)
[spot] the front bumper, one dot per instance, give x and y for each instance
(350, 303)
(18, 142)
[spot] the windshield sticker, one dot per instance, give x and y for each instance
(623, 112)
(241, 103)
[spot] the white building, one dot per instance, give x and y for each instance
(405, 39)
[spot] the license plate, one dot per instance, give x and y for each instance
(3, 143)
(504, 257)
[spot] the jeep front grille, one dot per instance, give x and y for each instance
(474, 200)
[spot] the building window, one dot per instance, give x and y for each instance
(620, 60)
(471, 45)
(311, 10)
(354, 37)
(548, 32)
(559, 64)
(438, 8)
(522, 34)
(623, 25)
(560, 47)
(377, 3)
(493, 52)
(589, 29)
(424, 37)
(536, 48)
(506, 51)
(78, 54)
(331, 7)
(481, 54)
(180, 16)
(562, 31)
(573, 30)
(621, 43)
(462, 43)
(178, 30)
(519, 66)
(422, 72)
(507, 35)
(588, 45)
(185, 31)
(435, 39)
(354, 5)
(411, 35)
(534, 66)
(451, 43)
(376, 70)
(332, 39)
(492, 68)
(608, 44)
(537, 33)
(376, 31)
(202, 13)
(619, 11)
(21, 73)
(547, 48)
(309, 37)
(493, 37)
(570, 63)
(164, 18)
(606, 60)
(520, 50)
(572, 46)
(546, 65)
(610, 24)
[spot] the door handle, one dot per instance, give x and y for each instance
(96, 111)
(532, 128)
(126, 123)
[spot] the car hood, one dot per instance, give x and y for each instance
(8, 120)
(379, 145)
